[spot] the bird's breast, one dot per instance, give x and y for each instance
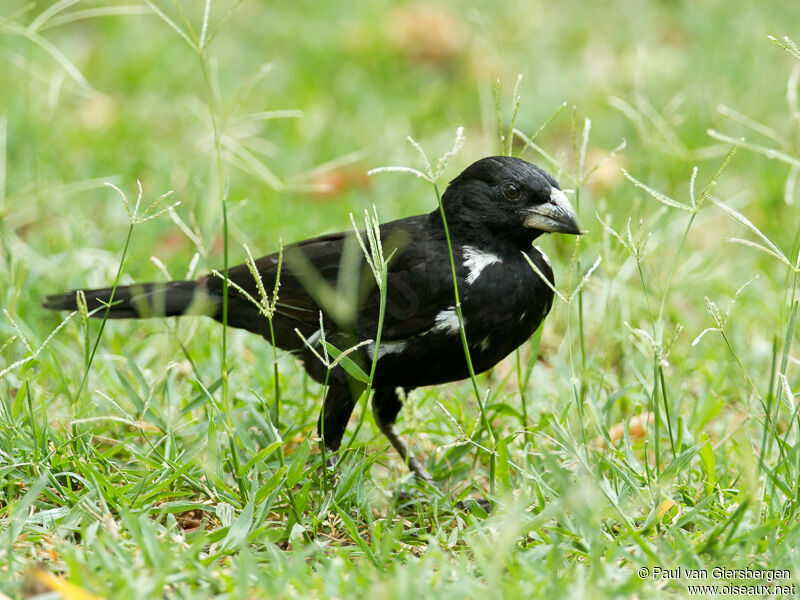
(504, 301)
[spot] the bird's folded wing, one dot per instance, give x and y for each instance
(419, 283)
(306, 269)
(329, 274)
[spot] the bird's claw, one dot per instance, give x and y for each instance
(467, 503)
(419, 471)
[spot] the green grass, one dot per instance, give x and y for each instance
(147, 469)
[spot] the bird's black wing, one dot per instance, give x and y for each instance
(419, 281)
(307, 270)
(328, 274)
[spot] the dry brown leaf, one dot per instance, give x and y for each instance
(637, 428)
(666, 505)
(339, 181)
(426, 33)
(608, 175)
(68, 591)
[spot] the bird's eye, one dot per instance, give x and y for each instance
(512, 191)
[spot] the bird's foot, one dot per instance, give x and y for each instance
(331, 469)
(468, 503)
(332, 458)
(419, 471)
(410, 496)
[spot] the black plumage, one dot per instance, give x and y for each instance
(495, 209)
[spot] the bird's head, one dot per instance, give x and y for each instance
(509, 196)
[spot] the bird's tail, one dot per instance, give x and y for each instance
(142, 300)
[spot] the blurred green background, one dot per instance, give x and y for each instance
(91, 98)
(366, 75)
(96, 91)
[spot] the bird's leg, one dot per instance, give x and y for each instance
(385, 406)
(336, 410)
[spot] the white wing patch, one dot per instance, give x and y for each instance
(476, 261)
(446, 321)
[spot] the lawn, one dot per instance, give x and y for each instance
(650, 435)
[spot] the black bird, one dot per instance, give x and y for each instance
(494, 209)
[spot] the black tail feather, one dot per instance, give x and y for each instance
(141, 300)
